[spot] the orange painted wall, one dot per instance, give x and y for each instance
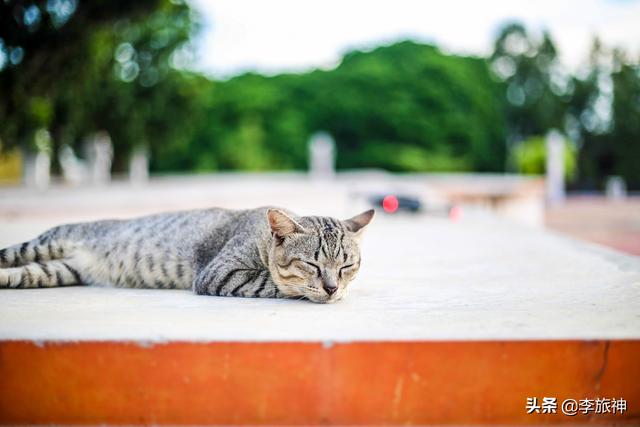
(308, 383)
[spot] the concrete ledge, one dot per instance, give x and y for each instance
(448, 323)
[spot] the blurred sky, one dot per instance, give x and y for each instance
(287, 35)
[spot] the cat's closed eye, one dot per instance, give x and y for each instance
(347, 269)
(309, 267)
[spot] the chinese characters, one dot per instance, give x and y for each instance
(571, 407)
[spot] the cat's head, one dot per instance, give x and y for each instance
(315, 257)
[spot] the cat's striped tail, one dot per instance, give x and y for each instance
(41, 249)
(39, 263)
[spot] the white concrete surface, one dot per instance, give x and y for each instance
(423, 278)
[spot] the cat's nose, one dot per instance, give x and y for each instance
(329, 288)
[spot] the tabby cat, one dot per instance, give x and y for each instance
(264, 252)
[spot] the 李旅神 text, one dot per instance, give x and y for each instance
(571, 407)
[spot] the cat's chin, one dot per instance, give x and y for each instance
(325, 300)
(294, 292)
(319, 300)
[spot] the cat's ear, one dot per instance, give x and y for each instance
(359, 222)
(282, 224)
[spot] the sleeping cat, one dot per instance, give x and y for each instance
(264, 252)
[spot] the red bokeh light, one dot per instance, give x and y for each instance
(390, 204)
(455, 213)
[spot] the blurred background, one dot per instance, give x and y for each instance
(525, 111)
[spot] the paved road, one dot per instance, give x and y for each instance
(596, 219)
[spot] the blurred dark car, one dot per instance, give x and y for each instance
(391, 203)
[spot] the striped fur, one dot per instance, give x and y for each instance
(262, 252)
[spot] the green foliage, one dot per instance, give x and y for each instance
(89, 66)
(599, 109)
(39, 111)
(625, 134)
(412, 95)
(71, 68)
(405, 107)
(409, 158)
(534, 84)
(605, 116)
(49, 49)
(530, 157)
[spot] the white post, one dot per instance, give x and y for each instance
(37, 170)
(100, 157)
(555, 168)
(74, 170)
(37, 166)
(616, 189)
(321, 156)
(139, 167)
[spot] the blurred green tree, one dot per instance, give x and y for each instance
(404, 107)
(605, 115)
(409, 107)
(76, 67)
(530, 157)
(625, 133)
(535, 86)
